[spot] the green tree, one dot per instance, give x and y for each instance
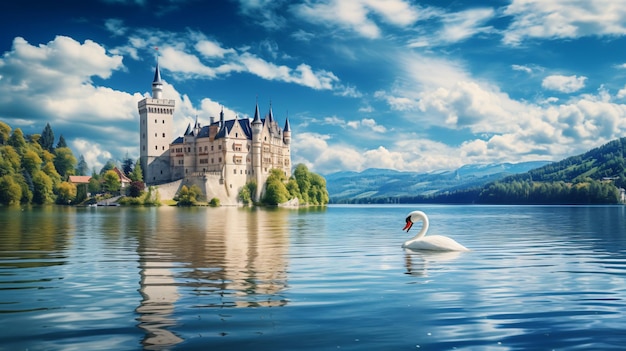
(244, 195)
(66, 193)
(111, 181)
(188, 196)
(137, 173)
(5, 132)
(64, 161)
(51, 171)
(42, 192)
(47, 138)
(61, 142)
(127, 165)
(108, 166)
(94, 186)
(275, 189)
(17, 141)
(10, 191)
(247, 192)
(31, 161)
(301, 175)
(10, 161)
(82, 168)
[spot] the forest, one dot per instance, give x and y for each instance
(33, 170)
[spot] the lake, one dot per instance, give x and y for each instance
(334, 278)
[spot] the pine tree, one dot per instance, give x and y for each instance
(82, 168)
(61, 142)
(47, 138)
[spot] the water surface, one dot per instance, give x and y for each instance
(549, 278)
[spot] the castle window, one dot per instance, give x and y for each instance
(234, 171)
(156, 147)
(211, 147)
(163, 148)
(155, 121)
(155, 134)
(163, 121)
(164, 135)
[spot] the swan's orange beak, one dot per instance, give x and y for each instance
(408, 225)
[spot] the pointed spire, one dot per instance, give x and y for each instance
(157, 85)
(157, 73)
(287, 126)
(257, 115)
(271, 114)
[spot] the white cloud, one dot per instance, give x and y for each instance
(94, 154)
(211, 49)
(522, 68)
(357, 15)
(459, 26)
(182, 56)
(538, 19)
(564, 84)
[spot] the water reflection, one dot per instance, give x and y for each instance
(417, 262)
(215, 257)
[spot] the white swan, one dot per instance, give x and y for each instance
(432, 242)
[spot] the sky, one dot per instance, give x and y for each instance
(407, 85)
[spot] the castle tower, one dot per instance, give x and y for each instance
(257, 128)
(156, 125)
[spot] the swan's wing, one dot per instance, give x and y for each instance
(437, 243)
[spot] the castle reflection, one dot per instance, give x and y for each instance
(211, 257)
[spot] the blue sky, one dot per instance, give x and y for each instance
(398, 84)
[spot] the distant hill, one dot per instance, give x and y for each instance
(375, 184)
(594, 177)
(604, 162)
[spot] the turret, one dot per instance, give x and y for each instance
(157, 84)
(257, 125)
(287, 132)
(257, 128)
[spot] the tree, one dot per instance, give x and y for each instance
(127, 165)
(42, 193)
(66, 193)
(61, 142)
(301, 175)
(64, 161)
(17, 140)
(5, 132)
(111, 181)
(10, 191)
(188, 196)
(94, 186)
(31, 161)
(47, 138)
(275, 190)
(82, 168)
(246, 192)
(136, 188)
(137, 173)
(108, 166)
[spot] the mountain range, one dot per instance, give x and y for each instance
(374, 183)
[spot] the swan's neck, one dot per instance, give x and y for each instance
(422, 231)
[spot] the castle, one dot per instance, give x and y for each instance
(220, 157)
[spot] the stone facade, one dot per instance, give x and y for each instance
(220, 157)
